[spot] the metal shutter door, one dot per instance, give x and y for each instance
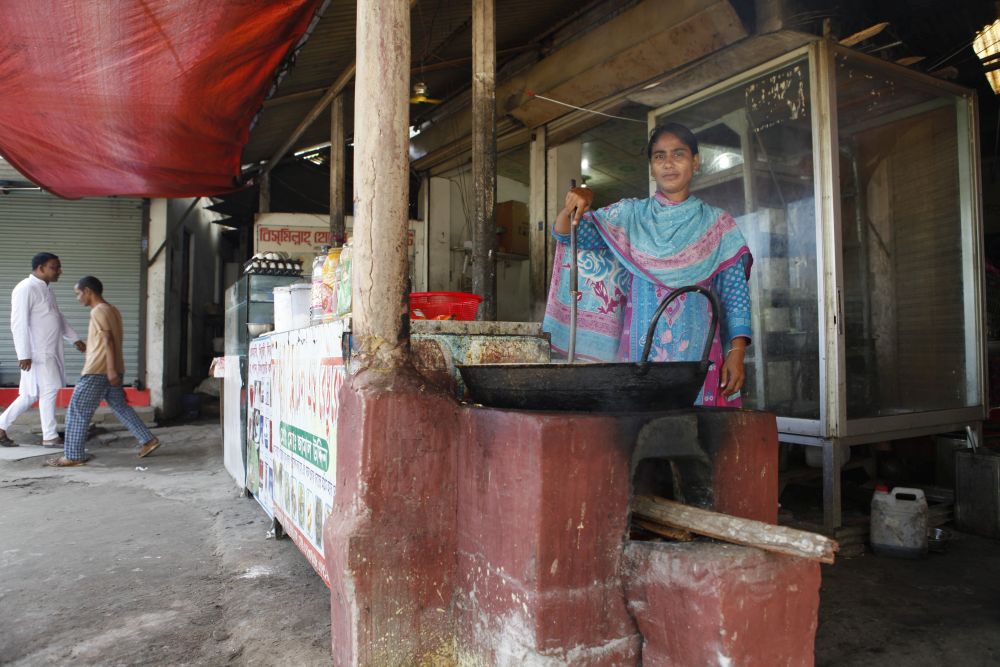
(100, 237)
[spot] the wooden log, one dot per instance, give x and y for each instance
(733, 529)
(664, 531)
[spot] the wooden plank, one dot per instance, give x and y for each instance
(665, 531)
(733, 529)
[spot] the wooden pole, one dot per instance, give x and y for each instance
(337, 224)
(733, 529)
(484, 157)
(264, 194)
(381, 179)
(538, 232)
(331, 93)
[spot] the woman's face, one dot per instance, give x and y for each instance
(672, 166)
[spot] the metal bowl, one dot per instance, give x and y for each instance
(937, 539)
(259, 329)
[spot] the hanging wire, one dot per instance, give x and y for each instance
(965, 45)
(573, 106)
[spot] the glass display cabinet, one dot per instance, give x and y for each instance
(856, 184)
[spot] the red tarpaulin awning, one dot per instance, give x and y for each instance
(148, 98)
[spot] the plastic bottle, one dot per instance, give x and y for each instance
(344, 281)
(319, 289)
(899, 522)
(330, 281)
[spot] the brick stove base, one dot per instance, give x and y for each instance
(720, 604)
(464, 535)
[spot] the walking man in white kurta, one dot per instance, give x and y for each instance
(39, 329)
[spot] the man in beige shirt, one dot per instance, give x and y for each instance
(101, 379)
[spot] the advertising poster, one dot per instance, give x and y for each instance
(260, 425)
(292, 420)
(235, 401)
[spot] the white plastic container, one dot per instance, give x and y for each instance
(291, 306)
(282, 309)
(899, 523)
(301, 294)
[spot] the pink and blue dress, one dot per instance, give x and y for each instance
(632, 254)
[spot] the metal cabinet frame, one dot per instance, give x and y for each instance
(833, 431)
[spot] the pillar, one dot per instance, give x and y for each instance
(381, 182)
(337, 225)
(484, 157)
(538, 233)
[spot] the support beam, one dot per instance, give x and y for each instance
(331, 93)
(337, 176)
(381, 178)
(642, 42)
(484, 157)
(538, 232)
(264, 195)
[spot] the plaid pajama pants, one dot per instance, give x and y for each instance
(87, 395)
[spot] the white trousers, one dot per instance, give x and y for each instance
(46, 380)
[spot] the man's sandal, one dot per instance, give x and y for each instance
(63, 462)
(148, 448)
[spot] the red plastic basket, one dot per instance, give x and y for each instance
(443, 305)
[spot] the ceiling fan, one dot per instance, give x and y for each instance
(419, 95)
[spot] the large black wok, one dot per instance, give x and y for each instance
(597, 387)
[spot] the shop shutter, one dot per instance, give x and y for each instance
(98, 236)
(8, 173)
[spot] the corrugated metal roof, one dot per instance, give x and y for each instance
(441, 39)
(527, 30)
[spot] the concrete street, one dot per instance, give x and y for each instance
(107, 564)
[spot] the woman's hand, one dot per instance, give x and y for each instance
(577, 203)
(732, 376)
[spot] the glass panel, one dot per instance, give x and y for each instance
(755, 142)
(904, 320)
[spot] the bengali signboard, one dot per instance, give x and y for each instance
(298, 235)
(301, 235)
(296, 436)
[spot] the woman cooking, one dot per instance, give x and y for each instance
(637, 251)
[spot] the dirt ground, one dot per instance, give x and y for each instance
(110, 565)
(942, 610)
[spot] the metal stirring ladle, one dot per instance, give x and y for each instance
(573, 285)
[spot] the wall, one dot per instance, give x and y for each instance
(513, 293)
(562, 166)
(168, 375)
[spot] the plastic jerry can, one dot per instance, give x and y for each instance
(899, 522)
